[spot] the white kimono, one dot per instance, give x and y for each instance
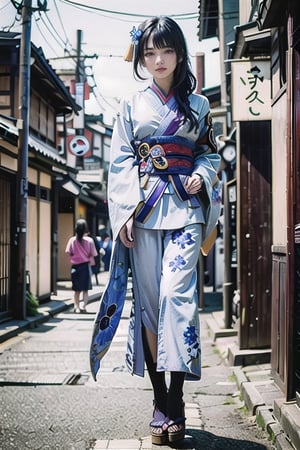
(149, 115)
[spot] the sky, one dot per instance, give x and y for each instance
(105, 33)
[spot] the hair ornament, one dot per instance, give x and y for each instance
(135, 35)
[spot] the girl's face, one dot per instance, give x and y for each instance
(161, 64)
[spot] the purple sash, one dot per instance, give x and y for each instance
(165, 132)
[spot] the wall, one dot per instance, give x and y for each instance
(66, 230)
(38, 257)
(279, 187)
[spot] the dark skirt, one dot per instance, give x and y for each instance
(81, 277)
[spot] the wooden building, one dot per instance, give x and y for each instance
(283, 21)
(263, 88)
(49, 99)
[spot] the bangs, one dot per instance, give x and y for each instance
(162, 39)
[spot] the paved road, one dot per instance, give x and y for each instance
(48, 399)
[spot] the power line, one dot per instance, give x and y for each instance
(61, 22)
(41, 33)
(96, 55)
(17, 18)
(182, 16)
(54, 24)
(17, 5)
(51, 29)
(55, 35)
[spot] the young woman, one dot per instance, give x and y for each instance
(81, 250)
(163, 201)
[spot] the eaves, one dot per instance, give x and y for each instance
(49, 76)
(42, 74)
(273, 13)
(39, 152)
(250, 42)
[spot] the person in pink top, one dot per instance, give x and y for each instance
(81, 250)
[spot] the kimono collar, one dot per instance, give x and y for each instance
(160, 93)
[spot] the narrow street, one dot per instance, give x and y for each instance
(49, 400)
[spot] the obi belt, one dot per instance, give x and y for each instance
(169, 158)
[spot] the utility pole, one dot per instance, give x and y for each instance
(79, 94)
(22, 174)
(22, 181)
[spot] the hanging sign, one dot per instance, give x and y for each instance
(251, 90)
(79, 145)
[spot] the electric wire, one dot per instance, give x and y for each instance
(17, 18)
(94, 88)
(182, 16)
(53, 32)
(61, 23)
(65, 44)
(17, 5)
(97, 93)
(48, 23)
(43, 36)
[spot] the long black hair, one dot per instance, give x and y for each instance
(81, 229)
(165, 32)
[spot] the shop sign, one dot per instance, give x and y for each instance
(79, 145)
(251, 90)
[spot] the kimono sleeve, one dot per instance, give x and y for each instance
(207, 161)
(206, 164)
(206, 140)
(123, 177)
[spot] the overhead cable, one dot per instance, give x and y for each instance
(178, 16)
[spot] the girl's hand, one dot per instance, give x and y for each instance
(126, 235)
(193, 184)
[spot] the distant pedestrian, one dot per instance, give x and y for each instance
(97, 266)
(107, 247)
(81, 250)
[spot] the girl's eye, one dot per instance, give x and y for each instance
(148, 54)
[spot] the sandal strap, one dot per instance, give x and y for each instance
(158, 418)
(177, 422)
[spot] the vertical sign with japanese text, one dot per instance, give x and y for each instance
(251, 90)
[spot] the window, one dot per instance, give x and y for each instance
(5, 92)
(42, 119)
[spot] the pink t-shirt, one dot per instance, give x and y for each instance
(80, 251)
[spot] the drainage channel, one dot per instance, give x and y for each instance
(35, 379)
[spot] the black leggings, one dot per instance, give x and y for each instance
(168, 402)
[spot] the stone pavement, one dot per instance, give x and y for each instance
(261, 395)
(62, 300)
(215, 410)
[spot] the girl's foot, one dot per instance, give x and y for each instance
(175, 429)
(158, 430)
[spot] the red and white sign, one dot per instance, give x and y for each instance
(79, 145)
